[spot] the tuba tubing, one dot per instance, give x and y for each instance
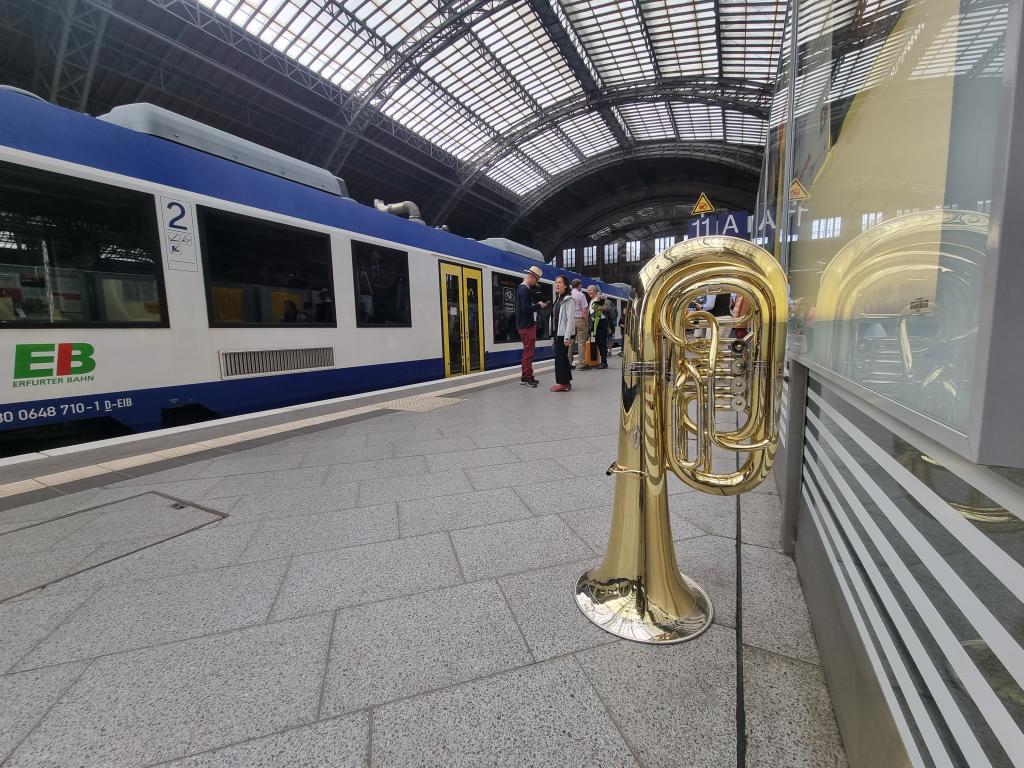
(678, 373)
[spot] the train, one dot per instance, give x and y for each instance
(156, 272)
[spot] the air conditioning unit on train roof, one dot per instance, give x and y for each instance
(160, 122)
(504, 244)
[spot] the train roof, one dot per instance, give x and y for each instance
(41, 128)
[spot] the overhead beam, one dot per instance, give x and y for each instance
(582, 69)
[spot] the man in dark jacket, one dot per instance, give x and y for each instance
(526, 322)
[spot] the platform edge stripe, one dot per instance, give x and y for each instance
(20, 486)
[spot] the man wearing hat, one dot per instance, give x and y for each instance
(526, 322)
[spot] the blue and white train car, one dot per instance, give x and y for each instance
(145, 283)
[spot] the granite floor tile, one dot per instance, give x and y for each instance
(760, 514)
(376, 435)
(247, 465)
(187, 490)
(143, 614)
(273, 505)
(506, 437)
(19, 573)
(202, 550)
(44, 536)
(346, 577)
(774, 612)
(545, 449)
(516, 546)
(25, 623)
(789, 725)
(161, 703)
(442, 445)
(377, 470)
(25, 698)
(328, 530)
(595, 525)
(322, 441)
(463, 510)
(411, 645)
(567, 494)
(507, 475)
(330, 455)
(49, 508)
(339, 743)
(188, 471)
(675, 705)
(545, 609)
(147, 516)
(263, 482)
(542, 715)
(711, 562)
(477, 457)
(386, 490)
(593, 466)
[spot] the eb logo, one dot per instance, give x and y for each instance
(47, 360)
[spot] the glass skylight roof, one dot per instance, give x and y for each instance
(533, 70)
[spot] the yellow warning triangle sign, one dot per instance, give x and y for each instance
(797, 191)
(703, 205)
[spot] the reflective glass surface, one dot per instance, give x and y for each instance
(895, 116)
(77, 253)
(260, 273)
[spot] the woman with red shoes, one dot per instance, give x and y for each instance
(564, 326)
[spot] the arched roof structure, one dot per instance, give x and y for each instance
(519, 94)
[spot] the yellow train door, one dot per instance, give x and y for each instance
(462, 319)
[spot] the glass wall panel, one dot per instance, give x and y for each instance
(935, 561)
(76, 253)
(259, 273)
(894, 122)
(381, 279)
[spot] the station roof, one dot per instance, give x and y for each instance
(521, 92)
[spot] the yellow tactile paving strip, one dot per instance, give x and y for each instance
(428, 401)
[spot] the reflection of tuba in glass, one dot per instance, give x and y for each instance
(896, 309)
(693, 400)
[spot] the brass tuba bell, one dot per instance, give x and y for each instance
(693, 398)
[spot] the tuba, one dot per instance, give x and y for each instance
(694, 401)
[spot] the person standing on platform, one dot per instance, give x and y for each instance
(600, 321)
(526, 322)
(562, 322)
(581, 323)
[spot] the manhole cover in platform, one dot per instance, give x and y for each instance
(40, 554)
(420, 403)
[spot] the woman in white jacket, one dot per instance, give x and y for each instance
(565, 328)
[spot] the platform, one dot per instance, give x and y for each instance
(389, 587)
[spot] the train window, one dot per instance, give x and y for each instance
(381, 277)
(260, 273)
(76, 253)
(503, 297)
(543, 292)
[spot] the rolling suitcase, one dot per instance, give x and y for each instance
(592, 357)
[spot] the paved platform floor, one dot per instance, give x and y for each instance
(396, 591)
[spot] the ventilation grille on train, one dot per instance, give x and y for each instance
(255, 362)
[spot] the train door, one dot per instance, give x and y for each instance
(462, 319)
